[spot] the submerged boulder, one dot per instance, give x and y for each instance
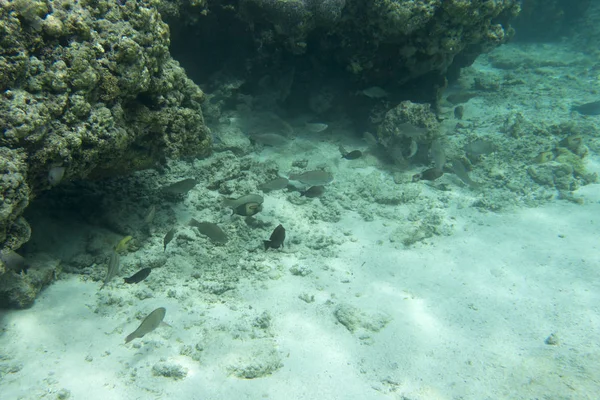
(88, 90)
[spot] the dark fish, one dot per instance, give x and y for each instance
(168, 237)
(353, 155)
(14, 261)
(313, 177)
(213, 231)
(138, 276)
(150, 323)
(248, 209)
(114, 263)
(430, 174)
(249, 198)
(592, 108)
(313, 191)
(275, 184)
(276, 239)
(181, 187)
(459, 112)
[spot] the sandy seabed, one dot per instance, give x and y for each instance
(507, 306)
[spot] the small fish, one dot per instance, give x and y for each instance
(430, 174)
(276, 239)
(213, 231)
(14, 261)
(461, 171)
(150, 215)
(592, 108)
(353, 155)
(313, 177)
(150, 323)
(269, 139)
(316, 127)
(313, 191)
(114, 263)
(412, 148)
(572, 142)
(409, 130)
(437, 154)
(544, 157)
(248, 209)
(479, 147)
(123, 244)
(374, 92)
(168, 237)
(463, 97)
(370, 139)
(181, 187)
(249, 198)
(459, 112)
(275, 184)
(138, 276)
(55, 175)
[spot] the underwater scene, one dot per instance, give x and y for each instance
(300, 199)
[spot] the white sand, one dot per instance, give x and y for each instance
(463, 316)
(468, 319)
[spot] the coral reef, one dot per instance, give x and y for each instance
(345, 44)
(407, 130)
(90, 87)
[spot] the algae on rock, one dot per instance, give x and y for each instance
(90, 87)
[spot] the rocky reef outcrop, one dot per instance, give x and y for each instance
(88, 89)
(334, 48)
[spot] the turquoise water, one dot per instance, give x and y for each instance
(341, 240)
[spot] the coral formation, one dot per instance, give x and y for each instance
(90, 87)
(385, 42)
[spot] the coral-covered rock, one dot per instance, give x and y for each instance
(89, 86)
(389, 43)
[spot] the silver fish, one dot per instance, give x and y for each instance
(275, 184)
(370, 139)
(437, 154)
(150, 215)
(150, 323)
(313, 178)
(213, 231)
(316, 127)
(55, 175)
(14, 261)
(374, 92)
(411, 131)
(168, 237)
(461, 171)
(413, 148)
(479, 147)
(113, 268)
(249, 198)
